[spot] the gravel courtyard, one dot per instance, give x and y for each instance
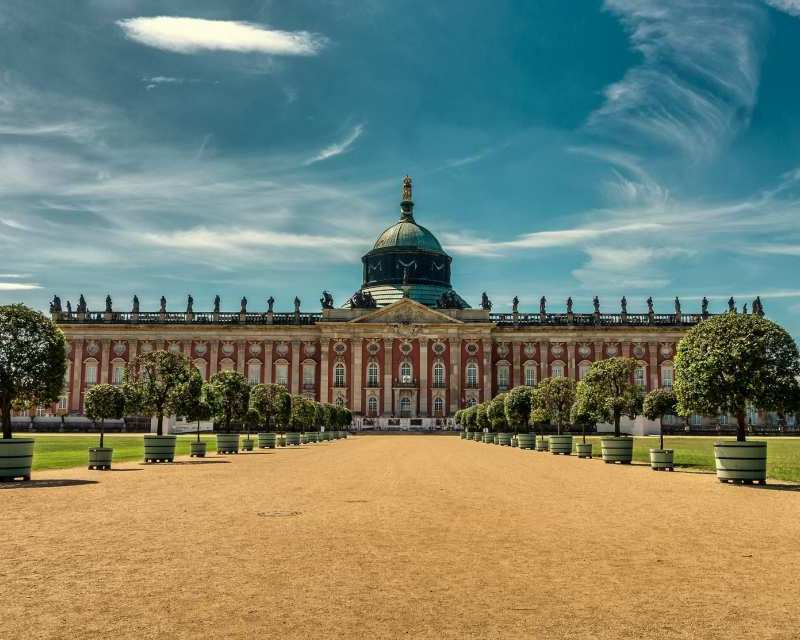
(396, 537)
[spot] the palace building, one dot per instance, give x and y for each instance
(405, 350)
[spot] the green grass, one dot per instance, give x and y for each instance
(697, 452)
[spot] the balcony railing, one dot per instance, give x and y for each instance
(373, 384)
(406, 383)
(604, 319)
(340, 384)
(438, 384)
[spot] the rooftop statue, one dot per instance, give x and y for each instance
(216, 304)
(296, 304)
(407, 189)
(189, 304)
(55, 305)
(243, 305)
(744, 308)
(650, 304)
(569, 304)
(362, 300)
(758, 308)
(624, 304)
(486, 304)
(69, 308)
(515, 305)
(270, 303)
(677, 306)
(326, 300)
(542, 305)
(731, 304)
(135, 304)
(108, 304)
(163, 304)
(81, 304)
(704, 306)
(596, 303)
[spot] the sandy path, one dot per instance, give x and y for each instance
(397, 537)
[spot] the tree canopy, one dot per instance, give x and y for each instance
(481, 418)
(273, 403)
(518, 408)
(33, 360)
(657, 404)
(302, 413)
(496, 413)
(734, 360)
(229, 395)
(610, 393)
(557, 395)
(104, 401)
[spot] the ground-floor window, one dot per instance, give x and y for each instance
(405, 407)
(372, 406)
(438, 407)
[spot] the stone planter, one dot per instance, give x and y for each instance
(617, 449)
(227, 443)
(744, 462)
(503, 439)
(542, 444)
(487, 438)
(247, 444)
(525, 440)
(583, 449)
(661, 460)
(197, 449)
(100, 458)
(159, 448)
(561, 445)
(16, 458)
(267, 440)
(292, 439)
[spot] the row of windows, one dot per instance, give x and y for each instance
(405, 407)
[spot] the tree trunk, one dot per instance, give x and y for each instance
(583, 431)
(6, 409)
(741, 431)
(102, 424)
(616, 423)
(198, 430)
(661, 431)
(160, 424)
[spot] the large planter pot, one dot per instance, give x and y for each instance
(159, 448)
(247, 444)
(514, 442)
(292, 439)
(197, 449)
(741, 461)
(496, 438)
(281, 440)
(16, 458)
(487, 438)
(583, 449)
(525, 440)
(477, 436)
(463, 435)
(267, 440)
(561, 445)
(227, 443)
(503, 439)
(661, 460)
(617, 449)
(100, 458)
(542, 444)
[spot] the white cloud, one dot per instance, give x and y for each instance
(792, 7)
(190, 35)
(18, 286)
(339, 147)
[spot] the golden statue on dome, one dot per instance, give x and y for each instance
(407, 189)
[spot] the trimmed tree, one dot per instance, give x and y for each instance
(481, 418)
(657, 404)
(104, 401)
(557, 395)
(229, 395)
(156, 384)
(518, 408)
(734, 360)
(581, 412)
(468, 417)
(33, 360)
(457, 417)
(273, 403)
(610, 391)
(496, 412)
(302, 413)
(343, 417)
(320, 415)
(199, 409)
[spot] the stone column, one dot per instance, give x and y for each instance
(324, 348)
(653, 347)
(544, 350)
(214, 361)
(77, 375)
(187, 348)
(356, 346)
(240, 357)
(105, 349)
(598, 350)
(515, 363)
(267, 362)
(387, 376)
(455, 375)
(295, 367)
(571, 374)
(132, 349)
(487, 369)
(423, 376)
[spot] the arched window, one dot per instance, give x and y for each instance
(502, 376)
(372, 374)
(406, 372)
(309, 372)
(530, 375)
(583, 369)
(118, 373)
(338, 375)
(557, 370)
(282, 373)
(405, 407)
(472, 374)
(640, 377)
(226, 365)
(438, 374)
(91, 372)
(438, 407)
(372, 406)
(667, 375)
(254, 372)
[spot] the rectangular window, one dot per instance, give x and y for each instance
(308, 375)
(666, 377)
(530, 376)
(723, 419)
(254, 373)
(557, 370)
(282, 374)
(583, 370)
(91, 374)
(62, 403)
(118, 376)
(502, 377)
(695, 420)
(638, 377)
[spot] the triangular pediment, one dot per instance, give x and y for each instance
(406, 311)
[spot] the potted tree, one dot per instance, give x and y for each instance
(321, 416)
(611, 393)
(230, 398)
(155, 385)
(300, 418)
(251, 420)
(100, 402)
(539, 416)
(274, 405)
(557, 397)
(199, 411)
(657, 404)
(482, 422)
(518, 410)
(581, 415)
(497, 417)
(345, 419)
(457, 420)
(728, 363)
(33, 361)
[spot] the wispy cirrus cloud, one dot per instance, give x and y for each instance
(338, 148)
(792, 7)
(192, 35)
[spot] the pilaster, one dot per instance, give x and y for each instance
(240, 356)
(267, 361)
(487, 369)
(544, 349)
(324, 348)
(387, 376)
(214, 360)
(295, 367)
(653, 348)
(516, 348)
(356, 346)
(105, 349)
(77, 375)
(423, 376)
(571, 374)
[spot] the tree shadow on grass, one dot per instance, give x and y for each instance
(44, 484)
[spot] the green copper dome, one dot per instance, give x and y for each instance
(408, 234)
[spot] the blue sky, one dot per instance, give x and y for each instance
(256, 148)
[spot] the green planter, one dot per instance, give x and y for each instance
(583, 449)
(281, 439)
(561, 445)
(503, 439)
(541, 444)
(487, 438)
(16, 458)
(159, 448)
(525, 440)
(741, 461)
(463, 435)
(292, 439)
(100, 458)
(477, 436)
(617, 449)
(227, 443)
(267, 440)
(197, 449)
(514, 442)
(496, 438)
(661, 460)
(247, 444)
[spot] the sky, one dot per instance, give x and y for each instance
(257, 148)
